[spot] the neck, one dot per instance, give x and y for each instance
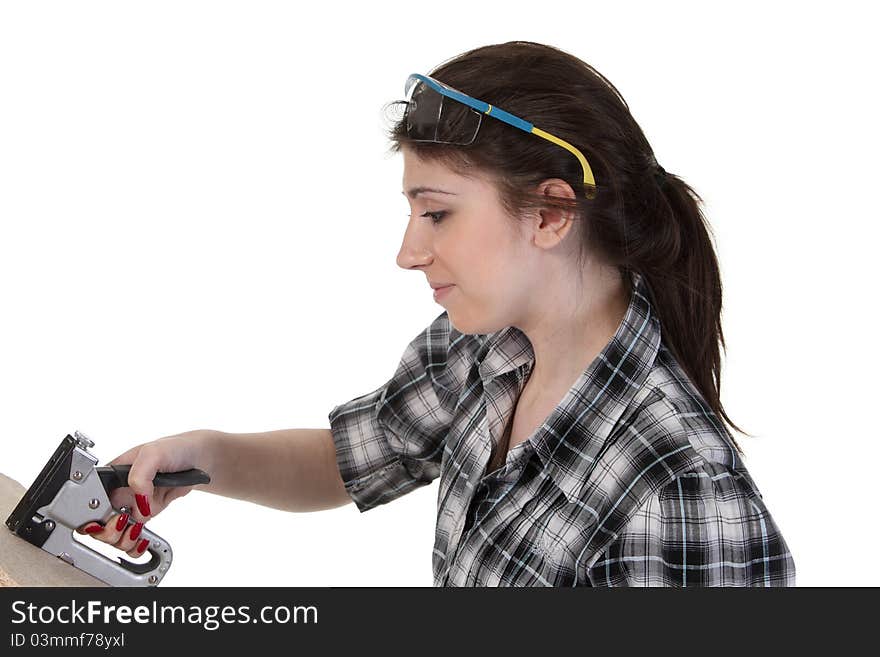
(568, 333)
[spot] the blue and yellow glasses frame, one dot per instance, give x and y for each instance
(481, 108)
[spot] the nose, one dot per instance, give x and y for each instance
(416, 249)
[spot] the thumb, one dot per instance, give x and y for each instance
(126, 458)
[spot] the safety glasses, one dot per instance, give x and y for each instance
(435, 112)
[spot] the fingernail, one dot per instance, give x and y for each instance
(136, 530)
(143, 504)
(93, 529)
(142, 545)
(122, 522)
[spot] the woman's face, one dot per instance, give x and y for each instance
(475, 246)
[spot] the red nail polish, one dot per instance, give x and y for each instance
(143, 504)
(93, 529)
(122, 522)
(142, 546)
(136, 530)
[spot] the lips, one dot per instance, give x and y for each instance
(442, 292)
(437, 286)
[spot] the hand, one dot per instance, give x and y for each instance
(169, 454)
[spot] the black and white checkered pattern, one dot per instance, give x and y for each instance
(630, 481)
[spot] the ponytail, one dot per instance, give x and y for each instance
(686, 285)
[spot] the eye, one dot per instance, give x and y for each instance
(436, 217)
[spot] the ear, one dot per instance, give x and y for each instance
(551, 225)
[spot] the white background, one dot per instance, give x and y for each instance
(199, 225)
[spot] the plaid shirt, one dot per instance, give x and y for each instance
(630, 481)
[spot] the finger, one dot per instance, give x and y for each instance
(129, 537)
(142, 503)
(109, 533)
(139, 548)
(115, 528)
(90, 529)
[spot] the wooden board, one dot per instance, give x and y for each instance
(23, 564)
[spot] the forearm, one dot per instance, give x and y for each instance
(288, 469)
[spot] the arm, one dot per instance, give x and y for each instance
(391, 441)
(288, 469)
(384, 449)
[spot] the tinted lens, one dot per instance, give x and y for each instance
(431, 116)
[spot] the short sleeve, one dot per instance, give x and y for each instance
(390, 441)
(709, 527)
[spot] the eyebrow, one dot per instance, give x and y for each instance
(415, 191)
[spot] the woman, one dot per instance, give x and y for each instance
(568, 396)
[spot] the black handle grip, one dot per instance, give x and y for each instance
(116, 476)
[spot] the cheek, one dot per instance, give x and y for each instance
(487, 289)
(484, 250)
(490, 277)
(481, 255)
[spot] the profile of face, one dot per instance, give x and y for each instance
(470, 243)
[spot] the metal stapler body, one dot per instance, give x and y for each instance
(71, 491)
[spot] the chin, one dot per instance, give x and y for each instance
(473, 325)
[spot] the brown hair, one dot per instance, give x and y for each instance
(641, 219)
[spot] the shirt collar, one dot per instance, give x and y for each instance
(569, 441)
